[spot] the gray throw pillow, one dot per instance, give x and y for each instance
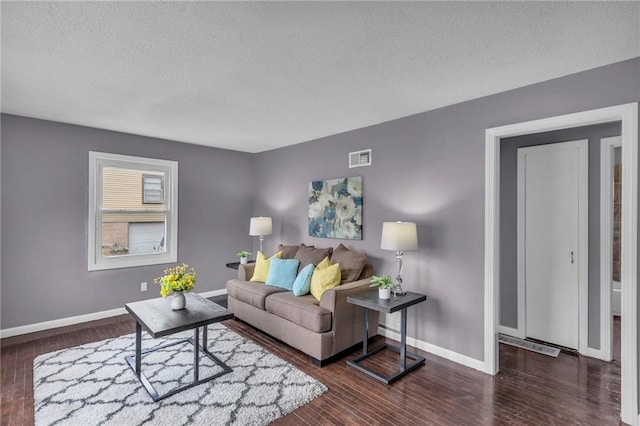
(351, 263)
(288, 252)
(307, 255)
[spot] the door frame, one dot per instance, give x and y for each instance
(583, 237)
(627, 114)
(607, 159)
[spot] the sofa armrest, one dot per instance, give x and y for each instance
(348, 318)
(334, 295)
(245, 272)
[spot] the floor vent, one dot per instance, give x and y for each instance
(528, 345)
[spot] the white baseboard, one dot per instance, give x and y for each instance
(63, 322)
(509, 331)
(436, 350)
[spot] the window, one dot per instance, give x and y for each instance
(133, 211)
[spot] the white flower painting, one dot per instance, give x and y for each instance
(335, 208)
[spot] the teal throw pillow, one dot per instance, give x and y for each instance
(282, 273)
(303, 281)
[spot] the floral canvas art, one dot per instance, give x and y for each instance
(335, 208)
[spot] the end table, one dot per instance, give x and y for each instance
(236, 265)
(370, 300)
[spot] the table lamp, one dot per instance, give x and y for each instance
(260, 226)
(399, 236)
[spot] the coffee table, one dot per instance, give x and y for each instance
(157, 318)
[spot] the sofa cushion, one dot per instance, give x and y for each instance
(302, 284)
(307, 255)
(324, 277)
(367, 272)
(304, 311)
(261, 271)
(253, 293)
(282, 273)
(288, 252)
(351, 263)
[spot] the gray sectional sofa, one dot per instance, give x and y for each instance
(325, 329)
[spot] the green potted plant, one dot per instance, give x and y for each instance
(384, 284)
(244, 256)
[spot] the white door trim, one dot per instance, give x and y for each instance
(607, 147)
(628, 115)
(583, 237)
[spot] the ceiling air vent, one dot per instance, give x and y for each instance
(360, 158)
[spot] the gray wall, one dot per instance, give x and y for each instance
(429, 168)
(44, 218)
(508, 217)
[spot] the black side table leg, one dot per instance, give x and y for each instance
(365, 332)
(403, 339)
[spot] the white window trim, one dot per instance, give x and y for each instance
(96, 263)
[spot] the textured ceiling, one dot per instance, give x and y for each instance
(256, 76)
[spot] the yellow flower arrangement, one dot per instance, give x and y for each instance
(177, 278)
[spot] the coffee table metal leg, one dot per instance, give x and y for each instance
(204, 338)
(194, 341)
(196, 354)
(138, 348)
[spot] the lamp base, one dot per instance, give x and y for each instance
(399, 292)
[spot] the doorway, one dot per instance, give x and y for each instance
(628, 115)
(552, 241)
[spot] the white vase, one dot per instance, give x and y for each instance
(178, 301)
(384, 293)
(243, 260)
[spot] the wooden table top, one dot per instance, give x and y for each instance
(158, 319)
(370, 300)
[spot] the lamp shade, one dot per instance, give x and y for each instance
(399, 236)
(260, 226)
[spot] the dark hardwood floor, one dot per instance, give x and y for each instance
(531, 389)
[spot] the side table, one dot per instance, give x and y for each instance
(236, 265)
(370, 300)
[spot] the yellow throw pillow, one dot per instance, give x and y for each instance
(324, 277)
(261, 272)
(324, 263)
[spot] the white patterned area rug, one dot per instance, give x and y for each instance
(92, 384)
